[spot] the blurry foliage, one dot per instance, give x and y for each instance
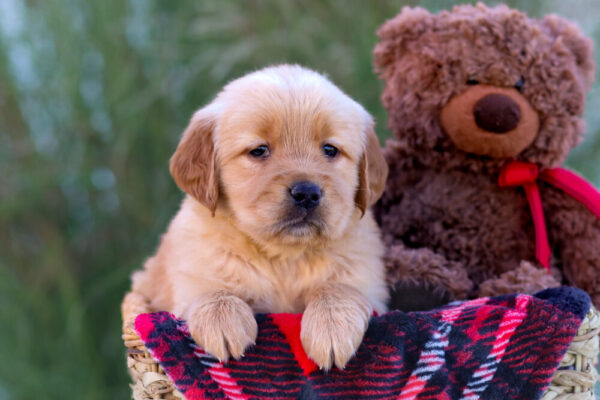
(93, 97)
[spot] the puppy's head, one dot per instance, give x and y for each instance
(286, 152)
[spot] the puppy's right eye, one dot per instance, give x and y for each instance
(260, 152)
(472, 82)
(330, 151)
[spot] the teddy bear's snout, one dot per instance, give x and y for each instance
(497, 113)
(490, 120)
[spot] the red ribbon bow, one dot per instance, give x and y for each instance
(517, 173)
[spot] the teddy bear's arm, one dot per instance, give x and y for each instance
(574, 233)
(420, 276)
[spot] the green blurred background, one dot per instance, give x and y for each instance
(93, 98)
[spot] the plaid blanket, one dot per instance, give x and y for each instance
(504, 347)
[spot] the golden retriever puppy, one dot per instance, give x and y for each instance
(280, 170)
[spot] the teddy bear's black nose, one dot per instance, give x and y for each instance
(497, 113)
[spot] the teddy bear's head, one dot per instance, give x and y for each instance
(479, 85)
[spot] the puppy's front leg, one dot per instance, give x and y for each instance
(333, 324)
(222, 324)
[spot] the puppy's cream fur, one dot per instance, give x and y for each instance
(235, 247)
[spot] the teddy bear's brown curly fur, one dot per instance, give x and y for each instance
(448, 225)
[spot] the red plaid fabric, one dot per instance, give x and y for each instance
(504, 347)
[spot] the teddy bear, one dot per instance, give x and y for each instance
(484, 105)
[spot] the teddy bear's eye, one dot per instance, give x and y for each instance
(472, 82)
(519, 84)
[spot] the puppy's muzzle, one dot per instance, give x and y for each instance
(306, 195)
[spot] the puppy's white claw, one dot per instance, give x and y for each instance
(224, 326)
(333, 326)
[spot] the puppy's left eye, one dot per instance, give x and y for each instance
(330, 151)
(260, 152)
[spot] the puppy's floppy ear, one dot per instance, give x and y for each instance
(194, 163)
(373, 171)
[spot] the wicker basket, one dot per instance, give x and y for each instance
(149, 379)
(574, 379)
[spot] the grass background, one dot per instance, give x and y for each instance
(93, 98)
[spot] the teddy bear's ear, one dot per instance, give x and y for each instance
(396, 33)
(568, 35)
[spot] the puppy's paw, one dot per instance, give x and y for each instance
(333, 326)
(223, 325)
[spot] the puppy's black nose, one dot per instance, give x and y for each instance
(305, 194)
